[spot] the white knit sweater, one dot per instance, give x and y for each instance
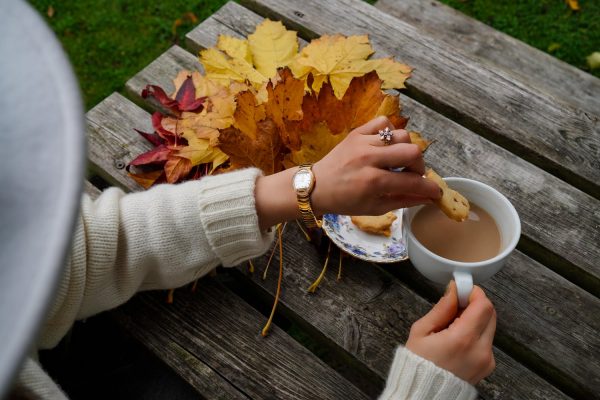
(167, 237)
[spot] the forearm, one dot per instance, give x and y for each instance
(161, 238)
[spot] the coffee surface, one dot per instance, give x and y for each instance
(475, 239)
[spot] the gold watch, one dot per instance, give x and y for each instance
(303, 183)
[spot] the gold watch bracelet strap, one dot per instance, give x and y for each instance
(308, 216)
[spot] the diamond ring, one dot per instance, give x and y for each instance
(385, 135)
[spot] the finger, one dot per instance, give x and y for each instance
(398, 136)
(478, 313)
(397, 155)
(397, 184)
(374, 126)
(440, 316)
(418, 166)
(487, 336)
(404, 201)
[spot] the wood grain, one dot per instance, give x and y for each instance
(531, 65)
(369, 312)
(193, 370)
(374, 349)
(490, 101)
(561, 221)
(221, 332)
(278, 367)
(112, 140)
(347, 337)
(91, 190)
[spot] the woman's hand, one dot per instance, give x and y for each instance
(460, 344)
(353, 179)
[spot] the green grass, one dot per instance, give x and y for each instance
(549, 25)
(110, 41)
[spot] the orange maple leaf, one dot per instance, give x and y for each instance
(284, 106)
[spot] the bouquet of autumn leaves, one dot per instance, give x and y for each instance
(264, 103)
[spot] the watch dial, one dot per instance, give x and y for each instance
(302, 180)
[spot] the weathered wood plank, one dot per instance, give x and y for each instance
(90, 189)
(278, 367)
(539, 69)
(555, 224)
(530, 122)
(222, 332)
(112, 140)
(368, 313)
(306, 313)
(193, 370)
(566, 226)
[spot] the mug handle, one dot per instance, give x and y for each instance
(464, 286)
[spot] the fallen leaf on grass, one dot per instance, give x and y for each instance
(573, 4)
(593, 60)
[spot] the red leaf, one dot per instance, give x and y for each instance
(185, 99)
(155, 156)
(186, 96)
(169, 136)
(161, 96)
(151, 137)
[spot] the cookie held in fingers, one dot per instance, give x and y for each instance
(416, 138)
(376, 224)
(452, 203)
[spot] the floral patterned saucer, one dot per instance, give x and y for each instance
(363, 245)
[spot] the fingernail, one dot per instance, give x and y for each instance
(441, 192)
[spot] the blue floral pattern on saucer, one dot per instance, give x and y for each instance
(363, 245)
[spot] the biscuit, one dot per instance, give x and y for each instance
(416, 138)
(452, 203)
(376, 224)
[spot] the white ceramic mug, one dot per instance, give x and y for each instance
(442, 270)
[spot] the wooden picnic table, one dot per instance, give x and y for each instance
(501, 112)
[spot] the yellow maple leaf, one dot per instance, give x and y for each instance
(338, 59)
(218, 113)
(392, 73)
(199, 151)
(254, 60)
(272, 46)
(315, 145)
(235, 48)
(222, 68)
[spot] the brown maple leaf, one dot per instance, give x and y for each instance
(264, 152)
(284, 106)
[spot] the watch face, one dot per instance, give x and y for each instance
(302, 180)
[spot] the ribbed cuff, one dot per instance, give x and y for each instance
(415, 378)
(228, 215)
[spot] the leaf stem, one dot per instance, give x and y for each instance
(265, 330)
(273, 252)
(312, 288)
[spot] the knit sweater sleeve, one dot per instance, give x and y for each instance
(162, 238)
(412, 377)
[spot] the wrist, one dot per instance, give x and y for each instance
(275, 199)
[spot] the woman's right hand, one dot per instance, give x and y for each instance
(355, 178)
(461, 344)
